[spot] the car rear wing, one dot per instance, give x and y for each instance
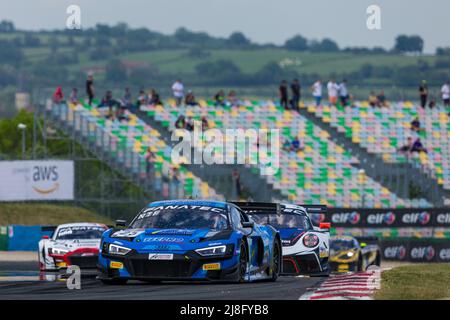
(48, 230)
(267, 206)
(368, 240)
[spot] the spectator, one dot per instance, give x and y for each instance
(90, 88)
(317, 92)
(296, 94)
(149, 159)
(415, 125)
(296, 145)
(418, 146)
(423, 92)
(127, 101)
(109, 102)
(74, 96)
(189, 100)
(219, 98)
(142, 99)
(407, 147)
(178, 92)
(236, 177)
(154, 98)
(180, 123)
(189, 124)
(373, 101)
(232, 98)
(343, 93)
(286, 145)
(381, 98)
(432, 103)
(283, 93)
(205, 124)
(58, 95)
(445, 91)
(333, 89)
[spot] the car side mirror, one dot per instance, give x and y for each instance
(45, 237)
(325, 225)
(121, 223)
(248, 224)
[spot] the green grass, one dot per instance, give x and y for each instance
(44, 214)
(419, 281)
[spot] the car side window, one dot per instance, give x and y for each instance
(236, 218)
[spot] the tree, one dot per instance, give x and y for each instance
(238, 39)
(10, 53)
(411, 44)
(297, 43)
(326, 45)
(116, 71)
(7, 26)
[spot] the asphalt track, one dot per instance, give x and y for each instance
(16, 285)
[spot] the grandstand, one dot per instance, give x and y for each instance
(323, 172)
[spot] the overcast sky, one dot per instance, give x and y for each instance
(261, 20)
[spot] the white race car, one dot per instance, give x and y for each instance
(306, 248)
(70, 244)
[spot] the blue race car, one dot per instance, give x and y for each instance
(190, 240)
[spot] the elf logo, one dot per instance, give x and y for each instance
(444, 254)
(395, 252)
(45, 174)
(347, 217)
(412, 218)
(380, 218)
(420, 253)
(443, 218)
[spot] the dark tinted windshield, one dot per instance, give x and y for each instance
(182, 217)
(282, 221)
(85, 232)
(338, 245)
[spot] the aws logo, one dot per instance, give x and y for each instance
(44, 174)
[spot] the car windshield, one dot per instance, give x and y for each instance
(80, 232)
(282, 221)
(338, 245)
(181, 217)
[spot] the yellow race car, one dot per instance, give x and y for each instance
(353, 254)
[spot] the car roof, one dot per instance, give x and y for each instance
(81, 224)
(343, 238)
(209, 203)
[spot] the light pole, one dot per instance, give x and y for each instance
(23, 128)
(362, 180)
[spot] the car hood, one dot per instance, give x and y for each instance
(76, 244)
(167, 236)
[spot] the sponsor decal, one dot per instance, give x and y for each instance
(423, 253)
(413, 218)
(443, 218)
(346, 217)
(381, 218)
(211, 266)
(395, 252)
(444, 254)
(116, 265)
(164, 239)
(160, 256)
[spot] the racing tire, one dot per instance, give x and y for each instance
(243, 262)
(276, 260)
(118, 281)
(378, 260)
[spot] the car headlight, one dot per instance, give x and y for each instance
(212, 251)
(115, 249)
(350, 254)
(310, 240)
(58, 251)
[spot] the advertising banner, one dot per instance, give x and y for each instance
(385, 218)
(36, 180)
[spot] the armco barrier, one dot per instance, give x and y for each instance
(24, 238)
(385, 218)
